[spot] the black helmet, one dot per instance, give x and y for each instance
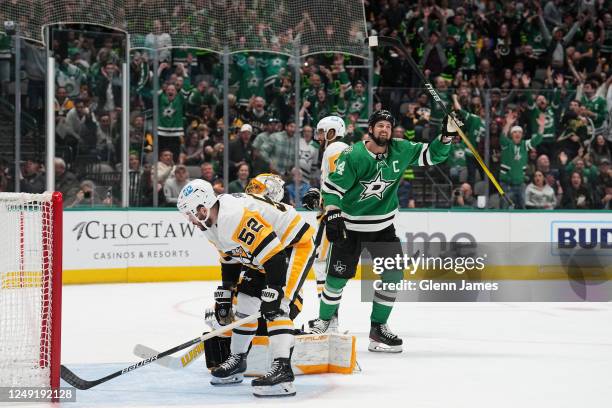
(381, 115)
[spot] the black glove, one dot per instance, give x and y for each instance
(334, 226)
(449, 131)
(271, 306)
(223, 305)
(311, 199)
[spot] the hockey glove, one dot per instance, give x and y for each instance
(311, 199)
(449, 130)
(334, 226)
(223, 306)
(271, 302)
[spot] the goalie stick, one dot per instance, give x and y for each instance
(174, 363)
(81, 384)
(376, 41)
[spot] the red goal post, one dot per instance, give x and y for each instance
(30, 289)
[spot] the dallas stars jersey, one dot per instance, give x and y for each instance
(251, 229)
(534, 113)
(171, 115)
(474, 129)
(365, 187)
(597, 105)
(514, 158)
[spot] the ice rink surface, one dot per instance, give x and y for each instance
(473, 355)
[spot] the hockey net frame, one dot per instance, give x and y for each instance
(48, 278)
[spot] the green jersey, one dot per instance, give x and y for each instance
(5, 47)
(251, 81)
(514, 158)
(364, 186)
(550, 128)
(598, 106)
(474, 130)
(171, 115)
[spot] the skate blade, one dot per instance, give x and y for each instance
(378, 347)
(232, 379)
(286, 389)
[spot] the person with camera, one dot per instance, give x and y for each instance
(464, 196)
(87, 196)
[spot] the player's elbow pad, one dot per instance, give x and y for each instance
(276, 269)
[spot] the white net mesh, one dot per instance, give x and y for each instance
(26, 250)
(265, 25)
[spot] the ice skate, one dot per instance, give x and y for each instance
(318, 326)
(382, 340)
(278, 382)
(230, 371)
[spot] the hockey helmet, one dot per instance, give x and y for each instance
(328, 123)
(268, 185)
(197, 193)
(380, 115)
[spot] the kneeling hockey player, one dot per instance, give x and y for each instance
(266, 236)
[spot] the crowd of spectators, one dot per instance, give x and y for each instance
(532, 76)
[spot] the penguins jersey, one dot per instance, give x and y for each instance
(330, 155)
(251, 229)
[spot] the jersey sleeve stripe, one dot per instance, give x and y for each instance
(264, 243)
(269, 254)
(334, 186)
(328, 188)
(295, 221)
(300, 234)
(424, 155)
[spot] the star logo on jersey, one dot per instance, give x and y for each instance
(374, 188)
(168, 112)
(339, 267)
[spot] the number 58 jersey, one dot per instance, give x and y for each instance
(251, 229)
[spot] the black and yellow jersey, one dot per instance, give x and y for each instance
(251, 229)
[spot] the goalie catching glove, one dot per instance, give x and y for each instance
(311, 199)
(449, 130)
(223, 305)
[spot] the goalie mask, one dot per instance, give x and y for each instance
(268, 185)
(197, 193)
(330, 128)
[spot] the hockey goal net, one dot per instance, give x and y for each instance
(30, 289)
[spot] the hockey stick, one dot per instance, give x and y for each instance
(375, 41)
(174, 363)
(81, 384)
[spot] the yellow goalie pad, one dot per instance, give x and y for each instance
(312, 354)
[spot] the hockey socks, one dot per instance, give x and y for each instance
(384, 299)
(331, 296)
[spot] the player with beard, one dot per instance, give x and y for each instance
(360, 201)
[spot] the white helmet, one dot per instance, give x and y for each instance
(268, 185)
(196, 193)
(328, 123)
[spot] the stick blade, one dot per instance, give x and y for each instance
(143, 352)
(74, 380)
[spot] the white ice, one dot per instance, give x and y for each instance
(455, 355)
